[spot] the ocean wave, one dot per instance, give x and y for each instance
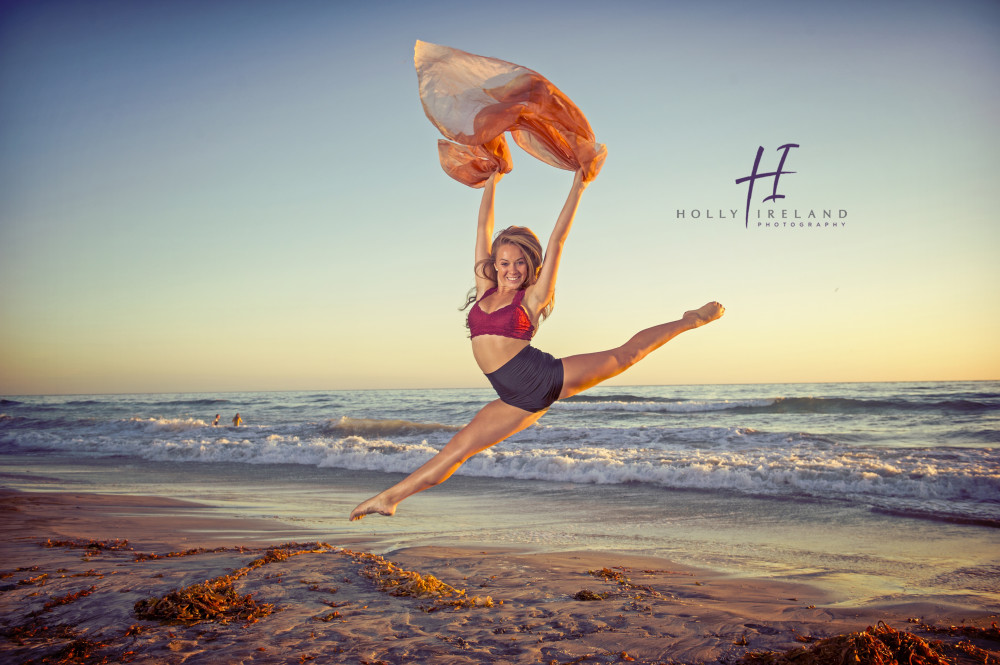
(693, 438)
(774, 405)
(204, 401)
(370, 427)
(741, 460)
(328, 400)
(646, 405)
(797, 471)
(984, 435)
(983, 395)
(956, 512)
(624, 398)
(801, 471)
(159, 425)
(964, 405)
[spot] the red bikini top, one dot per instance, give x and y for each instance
(508, 321)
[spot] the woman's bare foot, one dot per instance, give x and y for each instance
(376, 504)
(704, 314)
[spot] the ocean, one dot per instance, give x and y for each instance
(879, 491)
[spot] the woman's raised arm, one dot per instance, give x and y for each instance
(538, 296)
(484, 231)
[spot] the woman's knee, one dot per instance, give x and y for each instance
(461, 447)
(494, 423)
(629, 354)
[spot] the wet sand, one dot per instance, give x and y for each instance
(554, 607)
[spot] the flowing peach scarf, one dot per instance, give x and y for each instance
(473, 100)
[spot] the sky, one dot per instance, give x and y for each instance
(226, 196)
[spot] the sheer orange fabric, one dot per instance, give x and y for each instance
(473, 100)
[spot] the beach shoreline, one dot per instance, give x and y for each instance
(560, 606)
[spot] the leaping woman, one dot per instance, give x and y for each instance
(515, 285)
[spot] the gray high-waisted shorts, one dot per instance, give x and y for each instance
(531, 380)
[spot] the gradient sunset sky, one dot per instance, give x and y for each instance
(214, 196)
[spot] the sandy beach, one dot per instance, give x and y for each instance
(71, 585)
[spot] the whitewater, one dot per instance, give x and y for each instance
(924, 449)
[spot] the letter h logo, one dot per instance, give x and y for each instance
(754, 175)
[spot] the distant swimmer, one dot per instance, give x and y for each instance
(215, 423)
(514, 291)
(237, 421)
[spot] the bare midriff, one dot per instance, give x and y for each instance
(493, 351)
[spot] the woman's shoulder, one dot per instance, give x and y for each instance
(480, 293)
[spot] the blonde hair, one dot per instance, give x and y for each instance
(524, 239)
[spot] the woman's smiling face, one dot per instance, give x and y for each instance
(511, 266)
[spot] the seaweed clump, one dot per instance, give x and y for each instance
(395, 581)
(619, 577)
(587, 594)
(116, 545)
(878, 645)
(217, 599)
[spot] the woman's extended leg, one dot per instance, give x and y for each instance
(495, 422)
(588, 369)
